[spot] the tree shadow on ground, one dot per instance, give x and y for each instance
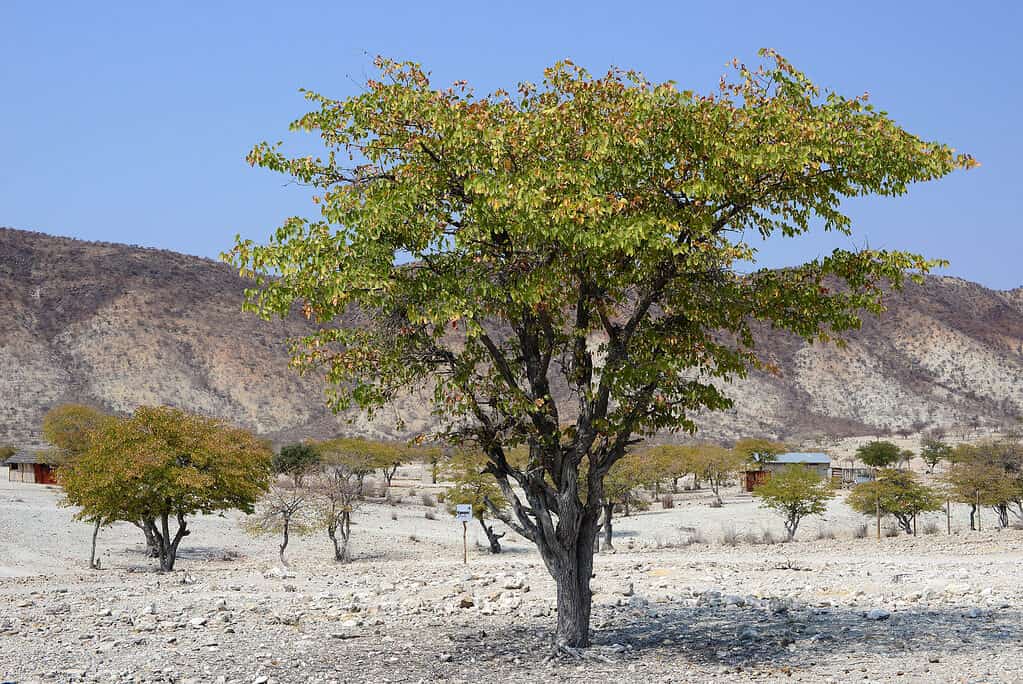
(744, 635)
(752, 637)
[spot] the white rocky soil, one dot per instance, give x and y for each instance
(934, 608)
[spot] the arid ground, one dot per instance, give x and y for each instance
(676, 602)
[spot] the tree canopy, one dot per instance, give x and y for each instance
(295, 460)
(898, 493)
(795, 493)
(594, 233)
(879, 454)
(69, 428)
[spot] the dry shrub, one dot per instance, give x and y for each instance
(729, 537)
(861, 531)
(930, 527)
(394, 515)
(428, 500)
(667, 501)
(765, 537)
(430, 515)
(824, 533)
(891, 531)
(440, 497)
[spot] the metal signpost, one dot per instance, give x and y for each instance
(463, 514)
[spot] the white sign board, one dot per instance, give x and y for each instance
(463, 512)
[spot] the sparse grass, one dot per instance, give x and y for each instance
(891, 531)
(428, 500)
(824, 533)
(930, 527)
(667, 501)
(861, 531)
(729, 537)
(430, 515)
(765, 537)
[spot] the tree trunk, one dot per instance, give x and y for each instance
(904, 521)
(674, 485)
(790, 528)
(572, 572)
(151, 546)
(167, 547)
(284, 541)
(493, 537)
(1003, 515)
(344, 526)
(609, 509)
(92, 554)
(973, 516)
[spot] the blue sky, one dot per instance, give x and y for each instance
(129, 121)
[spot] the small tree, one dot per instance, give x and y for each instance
(897, 493)
(717, 466)
(933, 451)
(879, 454)
(70, 428)
(358, 456)
(620, 486)
(336, 493)
(161, 464)
(795, 493)
(284, 511)
(388, 457)
(474, 486)
(988, 474)
(672, 460)
(295, 460)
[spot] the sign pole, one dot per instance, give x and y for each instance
(463, 514)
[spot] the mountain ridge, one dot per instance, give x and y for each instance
(119, 325)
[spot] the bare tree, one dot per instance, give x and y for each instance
(335, 497)
(282, 512)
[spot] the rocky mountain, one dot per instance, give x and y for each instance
(118, 326)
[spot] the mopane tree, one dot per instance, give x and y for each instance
(716, 465)
(795, 493)
(933, 451)
(989, 473)
(898, 493)
(879, 454)
(593, 233)
(162, 465)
